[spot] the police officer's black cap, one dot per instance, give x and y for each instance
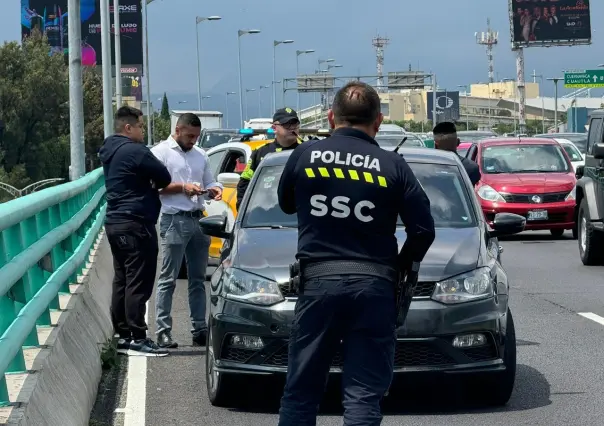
(285, 116)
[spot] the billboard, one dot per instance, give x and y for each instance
(550, 22)
(447, 106)
(315, 83)
(407, 80)
(50, 17)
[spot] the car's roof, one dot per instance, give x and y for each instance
(412, 155)
(465, 144)
(519, 141)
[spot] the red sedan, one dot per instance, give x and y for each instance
(527, 176)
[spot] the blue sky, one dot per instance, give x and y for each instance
(434, 35)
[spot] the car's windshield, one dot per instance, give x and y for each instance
(212, 139)
(573, 153)
(524, 158)
(386, 141)
(444, 185)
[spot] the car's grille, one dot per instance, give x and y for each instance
(482, 353)
(407, 354)
(237, 354)
(423, 289)
(552, 197)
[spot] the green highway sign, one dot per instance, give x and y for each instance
(590, 79)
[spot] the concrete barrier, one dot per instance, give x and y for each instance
(64, 372)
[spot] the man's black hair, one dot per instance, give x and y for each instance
(356, 104)
(126, 115)
(188, 119)
(445, 128)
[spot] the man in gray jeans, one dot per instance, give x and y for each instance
(181, 235)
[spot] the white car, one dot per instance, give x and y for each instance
(576, 158)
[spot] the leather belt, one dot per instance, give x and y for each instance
(344, 267)
(194, 213)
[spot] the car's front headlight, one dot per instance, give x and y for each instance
(250, 288)
(467, 287)
(489, 194)
(572, 195)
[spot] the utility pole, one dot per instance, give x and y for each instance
(76, 96)
(542, 100)
(106, 65)
(117, 31)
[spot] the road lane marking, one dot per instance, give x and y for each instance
(593, 317)
(136, 394)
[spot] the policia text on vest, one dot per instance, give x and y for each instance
(347, 193)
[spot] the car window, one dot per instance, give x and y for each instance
(595, 132)
(580, 141)
(212, 139)
(462, 151)
(215, 160)
(519, 158)
(449, 198)
(573, 153)
(235, 162)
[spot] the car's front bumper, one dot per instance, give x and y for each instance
(561, 215)
(424, 343)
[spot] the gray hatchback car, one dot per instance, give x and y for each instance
(459, 321)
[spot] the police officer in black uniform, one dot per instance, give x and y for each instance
(286, 126)
(347, 193)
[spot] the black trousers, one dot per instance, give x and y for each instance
(135, 249)
(356, 315)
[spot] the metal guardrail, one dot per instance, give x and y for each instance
(45, 239)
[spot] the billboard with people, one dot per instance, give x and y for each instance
(550, 22)
(50, 18)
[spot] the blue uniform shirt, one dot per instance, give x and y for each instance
(348, 192)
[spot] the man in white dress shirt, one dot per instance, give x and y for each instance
(181, 235)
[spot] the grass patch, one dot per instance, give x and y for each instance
(109, 354)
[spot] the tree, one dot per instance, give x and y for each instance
(34, 105)
(165, 108)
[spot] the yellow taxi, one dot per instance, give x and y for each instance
(227, 161)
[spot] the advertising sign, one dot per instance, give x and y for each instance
(50, 17)
(447, 106)
(590, 79)
(550, 22)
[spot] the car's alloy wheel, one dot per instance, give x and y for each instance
(591, 242)
(495, 389)
(218, 384)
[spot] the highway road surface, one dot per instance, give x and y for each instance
(558, 306)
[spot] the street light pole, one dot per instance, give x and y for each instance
(298, 53)
(260, 99)
(117, 32)
(147, 79)
(465, 86)
(247, 102)
(226, 114)
(106, 65)
(275, 44)
(76, 96)
(555, 80)
(198, 20)
(239, 34)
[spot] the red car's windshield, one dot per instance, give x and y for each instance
(519, 158)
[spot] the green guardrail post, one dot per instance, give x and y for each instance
(7, 307)
(43, 224)
(4, 401)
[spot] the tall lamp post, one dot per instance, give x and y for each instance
(555, 80)
(239, 34)
(298, 53)
(106, 58)
(226, 111)
(275, 44)
(465, 87)
(246, 102)
(260, 99)
(199, 20)
(508, 80)
(117, 32)
(146, 72)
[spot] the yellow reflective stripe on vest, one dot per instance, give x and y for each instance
(350, 174)
(248, 173)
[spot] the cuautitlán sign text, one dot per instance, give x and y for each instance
(590, 79)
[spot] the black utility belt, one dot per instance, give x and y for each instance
(194, 213)
(344, 267)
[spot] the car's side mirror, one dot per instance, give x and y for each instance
(507, 224)
(215, 226)
(580, 172)
(228, 179)
(598, 151)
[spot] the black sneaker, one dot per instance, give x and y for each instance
(164, 340)
(123, 345)
(146, 347)
(199, 339)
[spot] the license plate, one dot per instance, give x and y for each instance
(537, 215)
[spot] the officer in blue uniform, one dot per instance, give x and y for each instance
(347, 193)
(286, 126)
